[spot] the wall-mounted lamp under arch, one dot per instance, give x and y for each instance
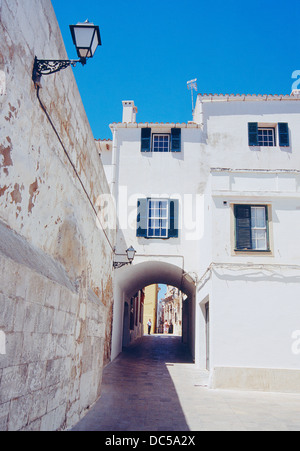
(130, 253)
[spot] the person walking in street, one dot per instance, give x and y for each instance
(166, 327)
(149, 324)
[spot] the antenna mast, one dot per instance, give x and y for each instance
(192, 86)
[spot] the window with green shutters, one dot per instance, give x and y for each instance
(253, 133)
(142, 218)
(265, 136)
(157, 218)
(283, 131)
(251, 228)
(176, 140)
(174, 218)
(146, 140)
(160, 142)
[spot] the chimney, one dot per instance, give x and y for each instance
(129, 111)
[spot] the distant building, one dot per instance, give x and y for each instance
(150, 307)
(172, 310)
(133, 318)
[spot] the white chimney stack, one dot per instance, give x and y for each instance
(129, 111)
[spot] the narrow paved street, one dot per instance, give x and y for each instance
(154, 386)
(138, 392)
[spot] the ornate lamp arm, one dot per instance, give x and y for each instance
(47, 67)
(117, 265)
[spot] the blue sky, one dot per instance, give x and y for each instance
(151, 49)
(162, 292)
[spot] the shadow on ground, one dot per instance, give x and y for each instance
(138, 393)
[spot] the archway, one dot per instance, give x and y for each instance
(131, 279)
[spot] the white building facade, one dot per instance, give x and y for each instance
(212, 207)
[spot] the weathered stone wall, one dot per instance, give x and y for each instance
(55, 258)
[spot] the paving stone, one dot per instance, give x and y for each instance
(154, 386)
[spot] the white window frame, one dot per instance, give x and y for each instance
(263, 140)
(259, 232)
(161, 135)
(163, 231)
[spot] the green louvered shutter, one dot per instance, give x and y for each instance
(253, 133)
(142, 205)
(283, 130)
(146, 140)
(176, 140)
(174, 218)
(243, 227)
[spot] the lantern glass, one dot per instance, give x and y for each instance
(130, 253)
(86, 38)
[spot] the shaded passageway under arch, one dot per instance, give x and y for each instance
(131, 279)
(138, 393)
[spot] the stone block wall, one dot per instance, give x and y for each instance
(56, 298)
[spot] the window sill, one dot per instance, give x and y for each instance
(154, 152)
(269, 147)
(252, 252)
(158, 237)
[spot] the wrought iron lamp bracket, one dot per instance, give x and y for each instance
(117, 265)
(130, 253)
(48, 67)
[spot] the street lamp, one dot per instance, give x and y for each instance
(130, 253)
(86, 38)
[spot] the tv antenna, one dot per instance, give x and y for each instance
(192, 86)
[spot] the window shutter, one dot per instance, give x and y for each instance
(253, 133)
(243, 226)
(283, 129)
(174, 218)
(142, 206)
(146, 140)
(176, 140)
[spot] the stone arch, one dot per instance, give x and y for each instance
(132, 278)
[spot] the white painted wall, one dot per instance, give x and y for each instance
(254, 298)
(253, 311)
(160, 175)
(253, 316)
(226, 131)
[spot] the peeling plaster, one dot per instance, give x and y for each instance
(16, 196)
(12, 114)
(51, 232)
(2, 190)
(5, 152)
(33, 192)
